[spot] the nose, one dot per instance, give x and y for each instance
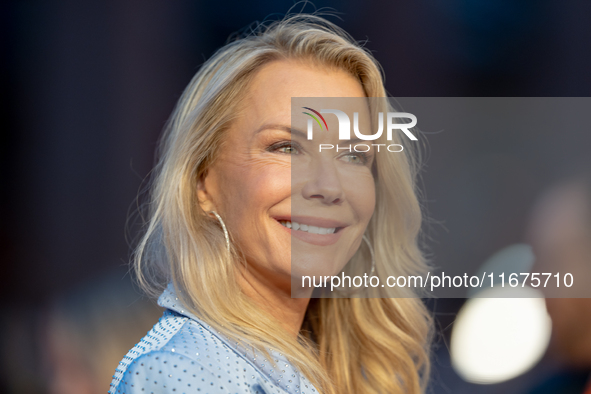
(324, 184)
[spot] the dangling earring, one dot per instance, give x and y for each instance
(373, 261)
(226, 230)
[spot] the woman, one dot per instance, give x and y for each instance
(221, 232)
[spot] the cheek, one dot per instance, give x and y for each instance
(254, 186)
(252, 192)
(361, 193)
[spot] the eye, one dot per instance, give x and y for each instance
(285, 147)
(353, 159)
(360, 158)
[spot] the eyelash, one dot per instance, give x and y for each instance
(363, 156)
(283, 144)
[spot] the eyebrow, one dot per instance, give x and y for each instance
(300, 133)
(281, 127)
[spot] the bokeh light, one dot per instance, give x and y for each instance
(500, 335)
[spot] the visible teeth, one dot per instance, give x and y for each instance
(307, 228)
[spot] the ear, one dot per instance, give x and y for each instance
(203, 196)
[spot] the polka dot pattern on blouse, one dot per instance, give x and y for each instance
(182, 354)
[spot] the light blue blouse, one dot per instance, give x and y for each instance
(182, 354)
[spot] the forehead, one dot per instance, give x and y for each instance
(269, 94)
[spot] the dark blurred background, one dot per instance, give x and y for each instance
(86, 87)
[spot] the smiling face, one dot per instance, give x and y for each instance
(291, 209)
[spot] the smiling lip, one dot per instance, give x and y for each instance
(314, 239)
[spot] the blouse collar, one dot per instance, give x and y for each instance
(282, 374)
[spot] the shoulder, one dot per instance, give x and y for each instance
(181, 355)
(167, 372)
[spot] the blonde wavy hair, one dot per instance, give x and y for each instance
(360, 345)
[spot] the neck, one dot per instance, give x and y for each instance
(275, 299)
